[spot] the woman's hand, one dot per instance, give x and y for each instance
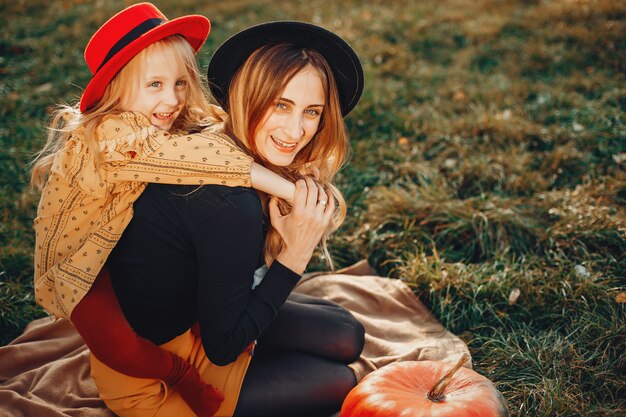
(302, 229)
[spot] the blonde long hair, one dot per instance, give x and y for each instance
(67, 119)
(253, 90)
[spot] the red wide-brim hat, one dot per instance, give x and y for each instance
(125, 35)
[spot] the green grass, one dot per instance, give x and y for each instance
(488, 170)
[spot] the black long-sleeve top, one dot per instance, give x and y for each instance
(190, 254)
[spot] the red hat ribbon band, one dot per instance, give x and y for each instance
(130, 37)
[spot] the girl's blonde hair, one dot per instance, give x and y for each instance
(66, 119)
(254, 89)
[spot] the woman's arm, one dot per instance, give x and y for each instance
(303, 228)
(228, 244)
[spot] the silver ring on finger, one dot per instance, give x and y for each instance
(322, 203)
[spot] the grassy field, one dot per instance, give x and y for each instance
(488, 170)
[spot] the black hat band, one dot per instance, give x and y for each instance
(131, 36)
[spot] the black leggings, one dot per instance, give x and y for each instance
(300, 363)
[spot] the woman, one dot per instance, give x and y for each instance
(189, 253)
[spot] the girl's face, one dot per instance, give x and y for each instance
(160, 92)
(292, 120)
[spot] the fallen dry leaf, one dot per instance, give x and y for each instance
(459, 95)
(515, 292)
(403, 142)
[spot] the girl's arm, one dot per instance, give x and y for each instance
(99, 319)
(271, 183)
(134, 150)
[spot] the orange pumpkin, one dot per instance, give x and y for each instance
(424, 389)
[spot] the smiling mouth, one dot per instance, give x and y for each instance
(163, 116)
(282, 144)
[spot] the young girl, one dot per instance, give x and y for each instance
(140, 119)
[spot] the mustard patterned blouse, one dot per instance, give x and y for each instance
(85, 207)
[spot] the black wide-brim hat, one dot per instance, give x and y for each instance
(341, 58)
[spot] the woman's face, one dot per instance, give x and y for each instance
(292, 119)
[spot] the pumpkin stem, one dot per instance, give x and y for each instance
(437, 392)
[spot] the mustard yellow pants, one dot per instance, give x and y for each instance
(137, 397)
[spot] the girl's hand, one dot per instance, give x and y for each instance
(302, 229)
